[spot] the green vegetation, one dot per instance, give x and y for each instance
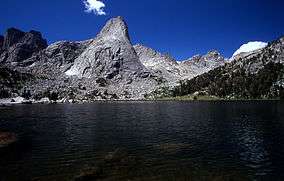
(190, 98)
(11, 81)
(238, 84)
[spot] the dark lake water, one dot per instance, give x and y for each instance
(172, 140)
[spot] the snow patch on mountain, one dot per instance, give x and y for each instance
(250, 47)
(71, 72)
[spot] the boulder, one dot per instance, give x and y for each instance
(44, 100)
(116, 156)
(7, 139)
(18, 100)
(102, 82)
(90, 174)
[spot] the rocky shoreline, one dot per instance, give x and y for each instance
(191, 98)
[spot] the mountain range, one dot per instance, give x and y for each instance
(109, 67)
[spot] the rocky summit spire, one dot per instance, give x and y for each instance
(115, 28)
(110, 55)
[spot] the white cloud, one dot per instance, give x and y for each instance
(95, 6)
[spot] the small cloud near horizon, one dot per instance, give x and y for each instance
(95, 6)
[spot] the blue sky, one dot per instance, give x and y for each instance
(182, 28)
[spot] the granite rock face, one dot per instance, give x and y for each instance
(163, 65)
(198, 64)
(109, 55)
(174, 71)
(107, 67)
(19, 46)
(56, 59)
(12, 37)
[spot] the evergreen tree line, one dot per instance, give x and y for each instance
(222, 83)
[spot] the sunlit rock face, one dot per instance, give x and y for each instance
(109, 55)
(174, 71)
(199, 64)
(161, 64)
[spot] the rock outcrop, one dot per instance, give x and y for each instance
(198, 64)
(56, 59)
(174, 71)
(18, 46)
(164, 65)
(109, 55)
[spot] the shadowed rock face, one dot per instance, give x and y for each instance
(18, 45)
(1, 42)
(12, 37)
(56, 59)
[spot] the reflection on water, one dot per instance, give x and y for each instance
(181, 140)
(252, 146)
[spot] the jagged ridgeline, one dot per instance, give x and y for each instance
(259, 75)
(110, 67)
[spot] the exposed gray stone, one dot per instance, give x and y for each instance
(198, 64)
(106, 67)
(109, 55)
(19, 46)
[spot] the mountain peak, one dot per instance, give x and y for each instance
(213, 52)
(115, 28)
(12, 36)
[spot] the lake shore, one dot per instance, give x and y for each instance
(21, 100)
